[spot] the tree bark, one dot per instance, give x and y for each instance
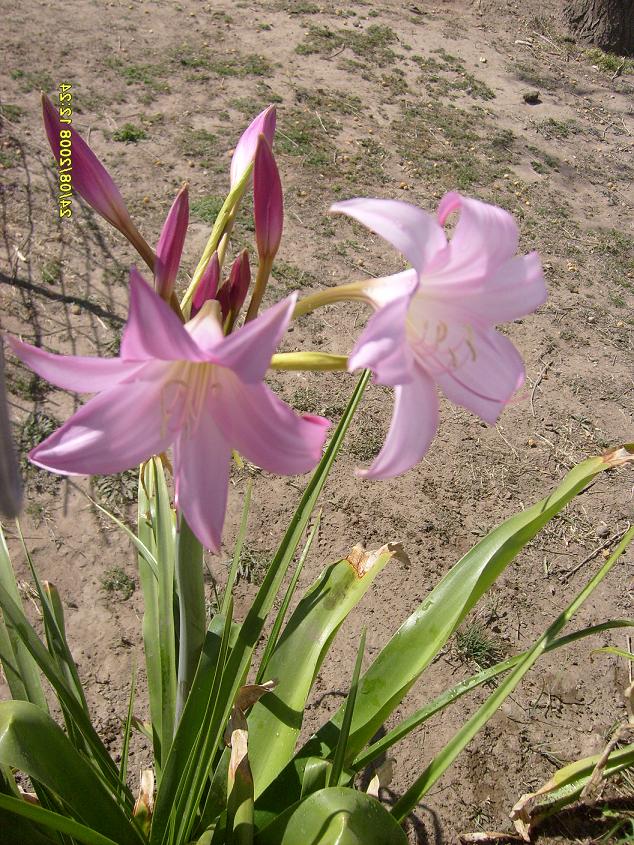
(608, 24)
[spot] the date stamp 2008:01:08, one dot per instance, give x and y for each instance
(65, 151)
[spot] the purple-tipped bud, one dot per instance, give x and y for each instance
(170, 246)
(10, 484)
(232, 294)
(207, 286)
(264, 124)
(268, 203)
(91, 179)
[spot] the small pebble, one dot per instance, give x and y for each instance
(75, 308)
(603, 530)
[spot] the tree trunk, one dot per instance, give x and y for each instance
(608, 24)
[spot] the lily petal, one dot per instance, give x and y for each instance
(170, 246)
(153, 330)
(413, 232)
(248, 350)
(72, 372)
(116, 430)
(516, 289)
(265, 430)
(383, 344)
(201, 468)
(413, 426)
(485, 382)
(486, 236)
(263, 124)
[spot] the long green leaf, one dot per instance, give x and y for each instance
(183, 751)
(15, 616)
(20, 667)
(31, 742)
(458, 742)
(237, 552)
(53, 821)
(191, 604)
(342, 743)
(274, 636)
(334, 816)
(149, 578)
(299, 654)
(400, 731)
(425, 632)
(164, 529)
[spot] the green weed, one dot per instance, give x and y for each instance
(129, 134)
(206, 208)
(474, 644)
(609, 62)
(115, 580)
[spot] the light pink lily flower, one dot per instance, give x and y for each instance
(263, 124)
(92, 181)
(434, 323)
(170, 245)
(186, 386)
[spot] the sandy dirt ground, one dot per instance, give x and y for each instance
(374, 98)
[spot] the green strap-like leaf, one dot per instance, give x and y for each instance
(20, 667)
(191, 604)
(45, 818)
(298, 656)
(33, 743)
(461, 739)
(400, 731)
(334, 816)
(425, 632)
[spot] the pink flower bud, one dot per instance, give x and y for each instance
(232, 294)
(268, 203)
(264, 124)
(207, 286)
(92, 181)
(170, 246)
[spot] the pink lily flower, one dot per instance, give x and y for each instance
(263, 124)
(93, 182)
(434, 323)
(170, 246)
(186, 386)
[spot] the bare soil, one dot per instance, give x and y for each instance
(391, 99)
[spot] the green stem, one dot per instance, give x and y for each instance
(353, 291)
(308, 361)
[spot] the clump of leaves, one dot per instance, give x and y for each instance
(200, 146)
(116, 492)
(129, 134)
(52, 272)
(253, 564)
(609, 62)
(371, 44)
(206, 208)
(116, 580)
(476, 645)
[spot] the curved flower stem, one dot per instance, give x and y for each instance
(308, 361)
(261, 280)
(353, 291)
